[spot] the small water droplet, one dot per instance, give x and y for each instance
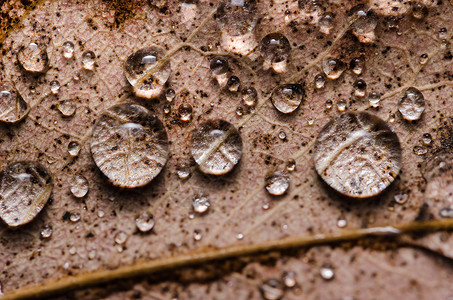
(291, 165)
(272, 289)
(145, 222)
(73, 148)
(72, 250)
(46, 232)
(357, 65)
(310, 122)
(282, 135)
(68, 50)
(342, 223)
(167, 108)
(427, 139)
(92, 254)
(266, 205)
(275, 49)
(249, 96)
(423, 59)
(66, 107)
(13, 108)
(443, 33)
(101, 214)
(237, 17)
(420, 150)
(54, 87)
(33, 58)
(320, 81)
(341, 105)
(219, 65)
(326, 23)
(289, 279)
(170, 95)
(147, 71)
(233, 84)
(277, 183)
(121, 238)
(88, 60)
(79, 186)
(216, 146)
(197, 235)
(201, 204)
(75, 217)
(360, 88)
(363, 22)
(239, 111)
(419, 10)
(327, 273)
(183, 171)
(412, 104)
(287, 98)
(185, 112)
(329, 104)
(374, 99)
(401, 198)
(333, 67)
(240, 236)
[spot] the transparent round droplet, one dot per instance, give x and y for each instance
(357, 154)
(363, 22)
(329, 104)
(54, 86)
(249, 96)
(201, 204)
(219, 65)
(68, 50)
(291, 165)
(275, 48)
(289, 279)
(33, 58)
(79, 186)
(287, 98)
(237, 17)
(147, 71)
(374, 99)
(46, 232)
(282, 135)
(121, 238)
(73, 148)
(423, 59)
(185, 112)
(333, 67)
(419, 150)
(88, 60)
(197, 235)
(75, 217)
(443, 33)
(239, 111)
(240, 236)
(216, 146)
(342, 223)
(401, 198)
(412, 104)
(129, 145)
(13, 108)
(233, 84)
(357, 65)
(320, 81)
(327, 273)
(427, 139)
(170, 95)
(419, 10)
(360, 88)
(183, 171)
(25, 188)
(167, 108)
(266, 205)
(67, 107)
(277, 183)
(272, 289)
(92, 254)
(145, 222)
(341, 105)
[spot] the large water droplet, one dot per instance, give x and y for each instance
(412, 104)
(237, 17)
(216, 147)
(287, 98)
(333, 67)
(25, 188)
(13, 108)
(67, 107)
(68, 50)
(201, 204)
(129, 145)
(363, 22)
(218, 65)
(145, 222)
(46, 232)
(277, 183)
(147, 71)
(272, 289)
(79, 186)
(33, 58)
(275, 49)
(357, 154)
(73, 148)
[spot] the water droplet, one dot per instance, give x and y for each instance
(216, 146)
(277, 183)
(183, 171)
(233, 84)
(219, 65)
(282, 135)
(201, 204)
(287, 98)
(75, 217)
(266, 205)
(272, 289)
(342, 223)
(121, 238)
(310, 6)
(423, 59)
(167, 108)
(185, 112)
(320, 81)
(170, 95)
(68, 50)
(88, 60)
(363, 22)
(333, 67)
(25, 188)
(54, 87)
(329, 104)
(357, 154)
(101, 214)
(145, 222)
(446, 212)
(72, 250)
(374, 99)
(197, 235)
(147, 71)
(412, 104)
(327, 273)
(237, 17)
(46, 232)
(419, 10)
(420, 150)
(360, 88)
(326, 23)
(73, 148)
(13, 108)
(357, 65)
(289, 279)
(240, 236)
(79, 186)
(92, 254)
(129, 145)
(341, 105)
(427, 139)
(249, 96)
(33, 58)
(291, 165)
(66, 107)
(275, 49)
(66, 265)
(443, 33)
(401, 198)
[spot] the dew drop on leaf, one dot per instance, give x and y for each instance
(325, 23)
(46, 232)
(68, 50)
(170, 95)
(147, 71)
(79, 186)
(75, 217)
(121, 238)
(237, 17)
(329, 104)
(419, 10)
(327, 273)
(412, 104)
(357, 65)
(275, 49)
(13, 108)
(233, 84)
(333, 67)
(287, 98)
(73, 148)
(201, 204)
(33, 58)
(183, 171)
(363, 22)
(197, 235)
(320, 81)
(277, 183)
(72, 250)
(249, 96)
(427, 139)
(360, 88)
(282, 135)
(291, 165)
(129, 145)
(289, 279)
(341, 223)
(341, 105)
(66, 107)
(88, 60)
(401, 198)
(272, 289)
(239, 111)
(145, 222)
(357, 154)
(167, 108)
(54, 87)
(419, 150)
(185, 112)
(218, 65)
(310, 6)
(374, 99)
(216, 146)
(92, 254)
(423, 59)
(25, 188)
